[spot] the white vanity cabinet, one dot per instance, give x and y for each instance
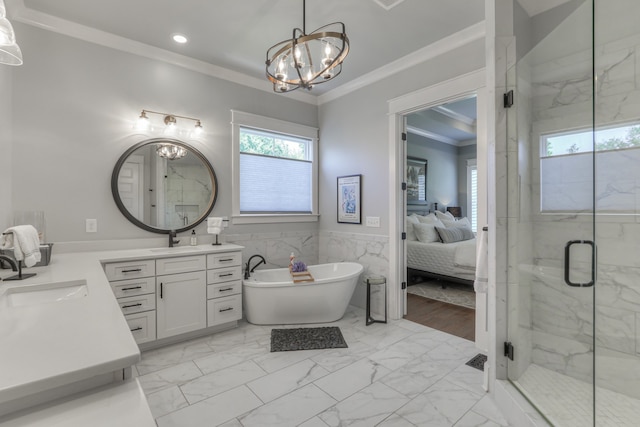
(180, 296)
(166, 297)
(224, 288)
(134, 285)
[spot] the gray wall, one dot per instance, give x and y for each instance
(442, 169)
(446, 173)
(74, 105)
(354, 134)
(5, 146)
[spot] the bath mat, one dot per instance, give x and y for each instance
(477, 362)
(306, 339)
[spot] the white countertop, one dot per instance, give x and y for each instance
(122, 405)
(49, 345)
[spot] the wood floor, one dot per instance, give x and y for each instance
(452, 319)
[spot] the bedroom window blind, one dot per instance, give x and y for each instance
(472, 193)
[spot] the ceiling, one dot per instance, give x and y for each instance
(453, 123)
(234, 35)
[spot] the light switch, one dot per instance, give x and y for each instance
(91, 225)
(373, 221)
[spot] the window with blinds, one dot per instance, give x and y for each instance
(472, 193)
(275, 173)
(275, 170)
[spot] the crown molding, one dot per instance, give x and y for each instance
(68, 28)
(454, 41)
(21, 13)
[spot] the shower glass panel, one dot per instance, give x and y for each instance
(574, 230)
(551, 215)
(617, 197)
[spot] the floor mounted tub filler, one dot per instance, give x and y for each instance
(272, 298)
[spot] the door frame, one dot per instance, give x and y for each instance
(443, 92)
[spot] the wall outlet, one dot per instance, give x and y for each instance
(373, 221)
(91, 225)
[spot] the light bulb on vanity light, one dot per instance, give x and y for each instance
(143, 121)
(197, 131)
(170, 121)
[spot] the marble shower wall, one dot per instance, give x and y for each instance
(372, 251)
(562, 322)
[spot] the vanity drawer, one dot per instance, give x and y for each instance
(224, 289)
(130, 269)
(221, 275)
(222, 310)
(180, 264)
(224, 260)
(128, 288)
(130, 305)
(142, 326)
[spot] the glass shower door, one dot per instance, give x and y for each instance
(551, 218)
(617, 195)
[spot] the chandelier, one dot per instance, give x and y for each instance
(307, 59)
(171, 151)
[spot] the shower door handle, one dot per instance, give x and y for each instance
(567, 263)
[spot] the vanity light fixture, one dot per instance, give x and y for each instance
(170, 120)
(10, 53)
(307, 59)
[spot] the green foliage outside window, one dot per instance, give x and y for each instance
(272, 146)
(629, 140)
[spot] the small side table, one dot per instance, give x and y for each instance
(376, 281)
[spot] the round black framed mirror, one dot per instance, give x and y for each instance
(164, 185)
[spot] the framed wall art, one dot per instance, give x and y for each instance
(416, 181)
(349, 199)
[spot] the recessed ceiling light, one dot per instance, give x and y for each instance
(179, 38)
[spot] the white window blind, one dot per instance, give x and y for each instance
(472, 193)
(274, 185)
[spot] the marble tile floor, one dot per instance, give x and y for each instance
(399, 374)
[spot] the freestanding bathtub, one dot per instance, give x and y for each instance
(271, 297)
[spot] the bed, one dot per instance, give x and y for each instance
(454, 262)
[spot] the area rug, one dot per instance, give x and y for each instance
(477, 361)
(454, 293)
(307, 339)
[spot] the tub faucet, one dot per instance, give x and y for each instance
(11, 261)
(172, 235)
(248, 270)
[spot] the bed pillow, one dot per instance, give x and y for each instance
(413, 218)
(430, 219)
(426, 233)
(411, 234)
(462, 222)
(445, 216)
(454, 234)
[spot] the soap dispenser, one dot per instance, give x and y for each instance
(194, 238)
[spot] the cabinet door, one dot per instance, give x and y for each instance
(181, 303)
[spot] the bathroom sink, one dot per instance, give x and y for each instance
(176, 249)
(46, 293)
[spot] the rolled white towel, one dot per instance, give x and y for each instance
(214, 225)
(25, 242)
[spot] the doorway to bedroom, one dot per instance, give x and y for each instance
(442, 216)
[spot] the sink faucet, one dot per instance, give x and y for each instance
(247, 270)
(172, 235)
(11, 261)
